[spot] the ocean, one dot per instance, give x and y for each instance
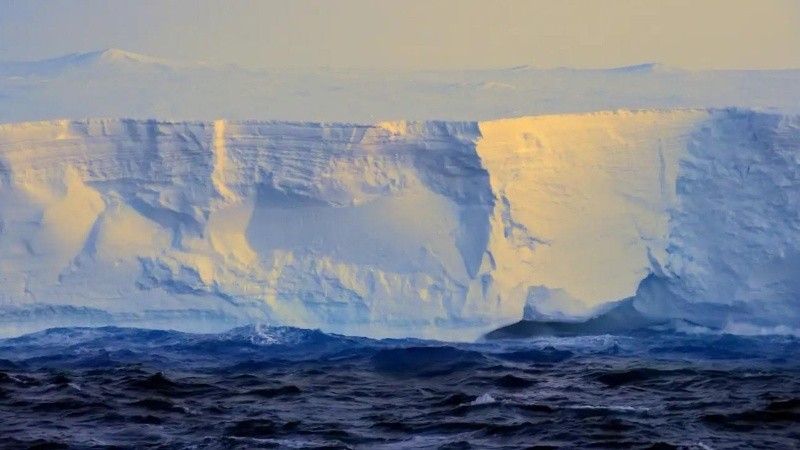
(277, 387)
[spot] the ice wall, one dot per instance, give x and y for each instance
(433, 229)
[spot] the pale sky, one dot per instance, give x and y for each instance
(414, 34)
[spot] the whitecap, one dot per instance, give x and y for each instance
(484, 399)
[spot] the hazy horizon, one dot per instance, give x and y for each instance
(441, 35)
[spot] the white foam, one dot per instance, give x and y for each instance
(484, 399)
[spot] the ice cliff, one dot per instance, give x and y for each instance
(430, 229)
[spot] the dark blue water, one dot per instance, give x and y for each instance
(290, 388)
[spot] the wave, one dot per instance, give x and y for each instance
(283, 387)
(255, 348)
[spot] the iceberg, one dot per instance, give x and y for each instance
(428, 229)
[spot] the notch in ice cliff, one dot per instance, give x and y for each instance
(430, 229)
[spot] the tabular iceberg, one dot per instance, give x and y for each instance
(426, 229)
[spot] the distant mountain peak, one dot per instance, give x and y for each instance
(651, 67)
(118, 55)
(112, 56)
(106, 58)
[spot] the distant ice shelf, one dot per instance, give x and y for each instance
(428, 229)
(117, 83)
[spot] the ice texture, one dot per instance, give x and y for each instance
(426, 229)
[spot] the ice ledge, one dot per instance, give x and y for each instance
(389, 124)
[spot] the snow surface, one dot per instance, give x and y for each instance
(429, 229)
(115, 83)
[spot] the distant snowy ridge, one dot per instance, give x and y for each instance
(429, 229)
(108, 57)
(117, 83)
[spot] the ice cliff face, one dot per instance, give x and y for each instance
(434, 229)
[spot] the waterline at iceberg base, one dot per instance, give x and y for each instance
(444, 230)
